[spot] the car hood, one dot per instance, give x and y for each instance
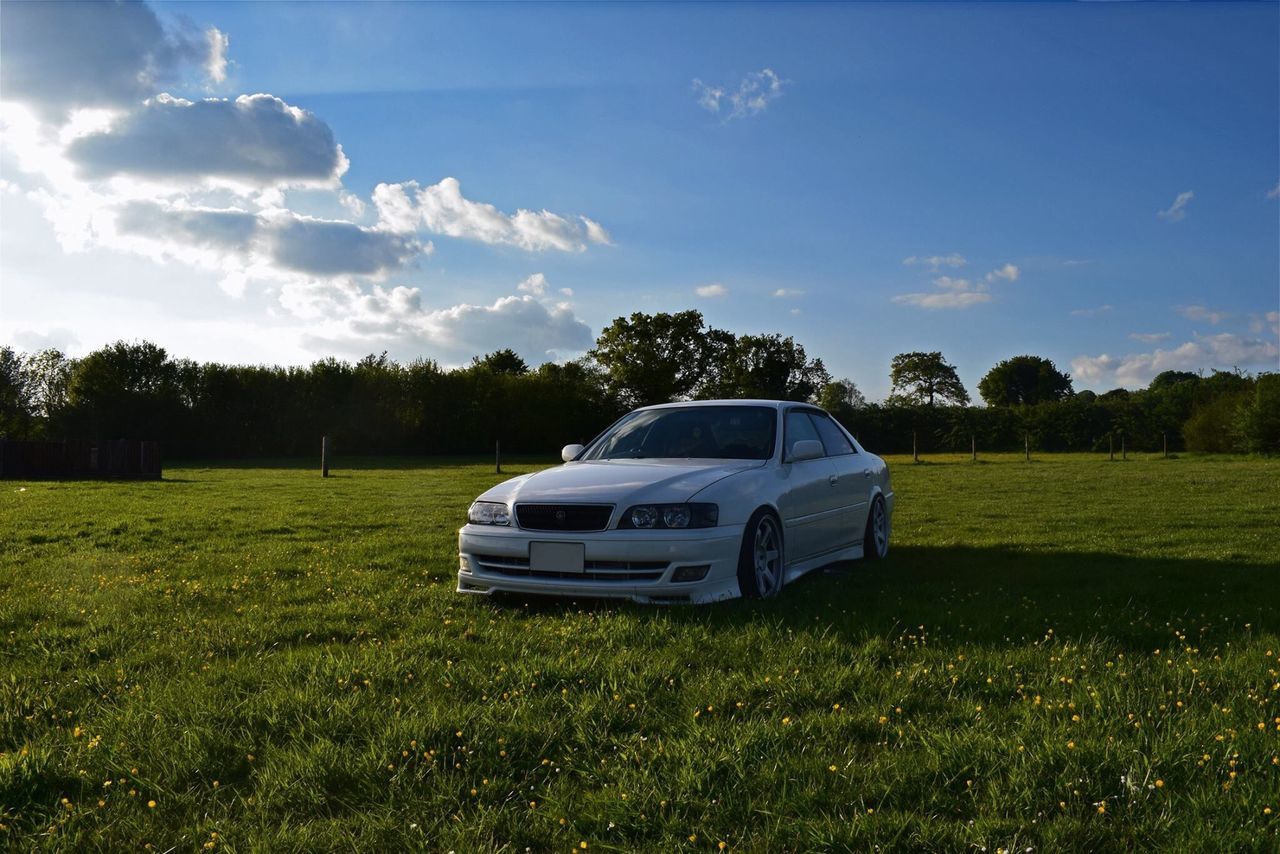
(618, 481)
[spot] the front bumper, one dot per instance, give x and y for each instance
(636, 565)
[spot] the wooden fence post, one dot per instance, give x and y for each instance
(915, 448)
(1164, 437)
(1124, 455)
(1027, 441)
(973, 445)
(1111, 448)
(497, 456)
(324, 456)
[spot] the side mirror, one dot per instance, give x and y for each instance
(569, 452)
(805, 449)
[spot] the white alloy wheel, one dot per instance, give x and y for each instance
(766, 556)
(875, 543)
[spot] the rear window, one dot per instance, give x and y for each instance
(834, 440)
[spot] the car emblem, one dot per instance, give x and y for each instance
(559, 515)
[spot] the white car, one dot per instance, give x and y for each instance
(684, 502)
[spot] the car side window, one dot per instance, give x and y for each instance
(834, 441)
(798, 427)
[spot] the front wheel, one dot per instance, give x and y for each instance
(760, 563)
(875, 542)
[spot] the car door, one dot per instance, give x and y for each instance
(807, 501)
(853, 481)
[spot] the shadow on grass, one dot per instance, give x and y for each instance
(996, 597)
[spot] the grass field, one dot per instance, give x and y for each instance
(1066, 654)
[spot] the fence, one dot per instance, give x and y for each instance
(117, 458)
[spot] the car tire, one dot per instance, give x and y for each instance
(761, 562)
(875, 540)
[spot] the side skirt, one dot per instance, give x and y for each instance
(796, 570)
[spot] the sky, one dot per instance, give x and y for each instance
(1098, 184)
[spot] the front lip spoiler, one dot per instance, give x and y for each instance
(609, 551)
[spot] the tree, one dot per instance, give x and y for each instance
(1164, 379)
(14, 406)
(839, 395)
(48, 373)
(652, 358)
(1259, 418)
(925, 378)
(761, 366)
(1024, 380)
(505, 361)
(126, 391)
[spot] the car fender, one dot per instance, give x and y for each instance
(740, 494)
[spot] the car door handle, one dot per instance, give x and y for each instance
(833, 479)
(866, 472)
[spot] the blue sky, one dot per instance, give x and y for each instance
(1036, 153)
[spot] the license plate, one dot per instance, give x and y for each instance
(556, 557)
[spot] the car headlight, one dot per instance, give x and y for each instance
(670, 516)
(489, 513)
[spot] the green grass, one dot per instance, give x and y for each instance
(282, 661)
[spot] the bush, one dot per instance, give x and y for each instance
(1259, 418)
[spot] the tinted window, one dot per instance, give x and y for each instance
(690, 432)
(833, 438)
(799, 428)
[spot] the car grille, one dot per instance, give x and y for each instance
(563, 517)
(593, 570)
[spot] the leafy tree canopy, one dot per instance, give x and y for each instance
(1024, 380)
(841, 394)
(1170, 378)
(505, 361)
(760, 366)
(925, 378)
(653, 358)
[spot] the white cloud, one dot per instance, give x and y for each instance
(394, 319)
(1135, 370)
(441, 208)
(1201, 314)
(59, 56)
(783, 293)
(535, 284)
(1274, 192)
(708, 96)
(1091, 312)
(944, 299)
(956, 292)
(275, 245)
(714, 289)
(255, 141)
(332, 248)
(215, 67)
(31, 341)
(1150, 337)
(935, 262)
(1008, 272)
(596, 233)
(113, 162)
(1270, 320)
(1178, 210)
(754, 94)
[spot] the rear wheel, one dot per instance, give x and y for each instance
(760, 563)
(875, 542)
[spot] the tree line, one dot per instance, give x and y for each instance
(379, 406)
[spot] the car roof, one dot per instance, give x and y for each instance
(775, 404)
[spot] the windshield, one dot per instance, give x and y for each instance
(690, 432)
